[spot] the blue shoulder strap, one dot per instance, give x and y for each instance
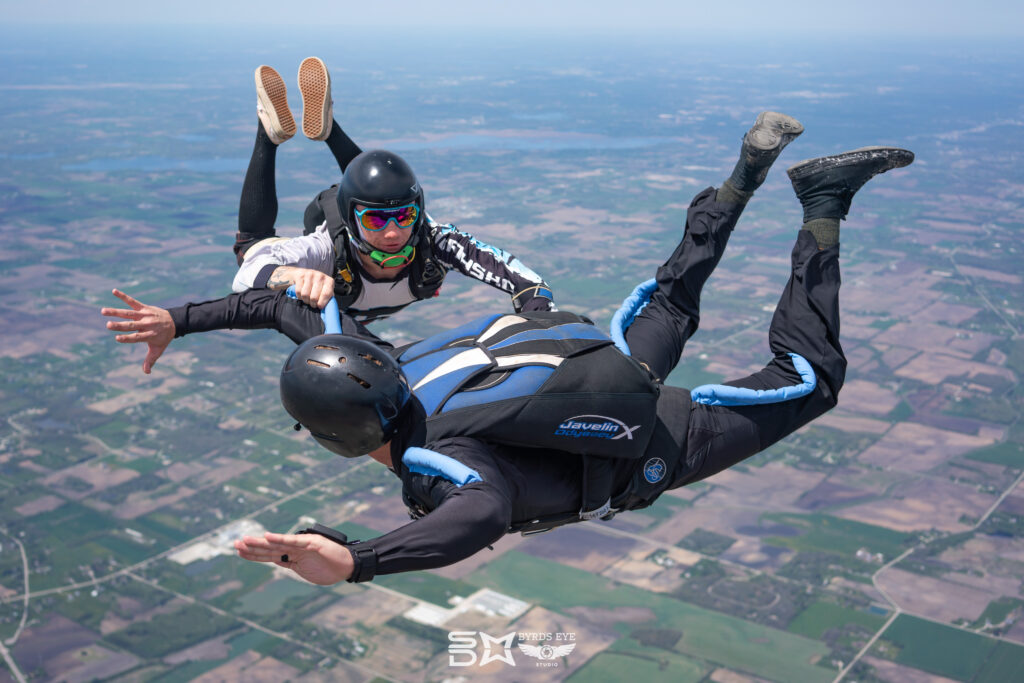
(468, 331)
(329, 314)
(723, 395)
(523, 360)
(434, 464)
(630, 309)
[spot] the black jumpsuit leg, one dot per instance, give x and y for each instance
(806, 322)
(344, 151)
(257, 207)
(342, 147)
(657, 336)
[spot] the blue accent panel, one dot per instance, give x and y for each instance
(523, 381)
(471, 329)
(722, 395)
(630, 309)
(329, 314)
(434, 464)
(567, 331)
(435, 391)
(415, 370)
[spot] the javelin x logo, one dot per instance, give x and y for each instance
(595, 426)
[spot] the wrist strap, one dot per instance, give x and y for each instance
(365, 560)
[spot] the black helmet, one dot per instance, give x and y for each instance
(347, 392)
(378, 179)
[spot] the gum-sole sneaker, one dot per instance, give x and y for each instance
(272, 105)
(315, 86)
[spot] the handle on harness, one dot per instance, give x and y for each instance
(329, 314)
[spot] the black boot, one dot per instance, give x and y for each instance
(825, 186)
(761, 147)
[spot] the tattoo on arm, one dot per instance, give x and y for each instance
(281, 278)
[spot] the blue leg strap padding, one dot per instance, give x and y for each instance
(628, 312)
(434, 464)
(330, 314)
(723, 395)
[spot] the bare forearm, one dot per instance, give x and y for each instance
(283, 277)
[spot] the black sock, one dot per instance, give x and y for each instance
(342, 147)
(728, 193)
(825, 231)
(257, 207)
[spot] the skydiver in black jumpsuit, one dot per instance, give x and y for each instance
(491, 489)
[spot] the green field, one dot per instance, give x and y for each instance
(691, 372)
(358, 531)
(165, 528)
(997, 611)
(73, 523)
(710, 636)
(1005, 663)
(821, 616)
(426, 586)
(663, 509)
(287, 514)
(825, 533)
(166, 633)
(1006, 454)
(637, 663)
(116, 433)
(706, 542)
(126, 550)
(900, 413)
(272, 597)
(944, 650)
(231, 579)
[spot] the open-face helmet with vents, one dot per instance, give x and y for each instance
(349, 393)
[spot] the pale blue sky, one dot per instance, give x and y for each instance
(823, 17)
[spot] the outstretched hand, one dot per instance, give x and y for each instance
(316, 559)
(149, 324)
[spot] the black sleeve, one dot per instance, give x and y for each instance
(493, 266)
(469, 519)
(256, 309)
(456, 521)
(342, 146)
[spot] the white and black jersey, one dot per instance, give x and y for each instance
(379, 298)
